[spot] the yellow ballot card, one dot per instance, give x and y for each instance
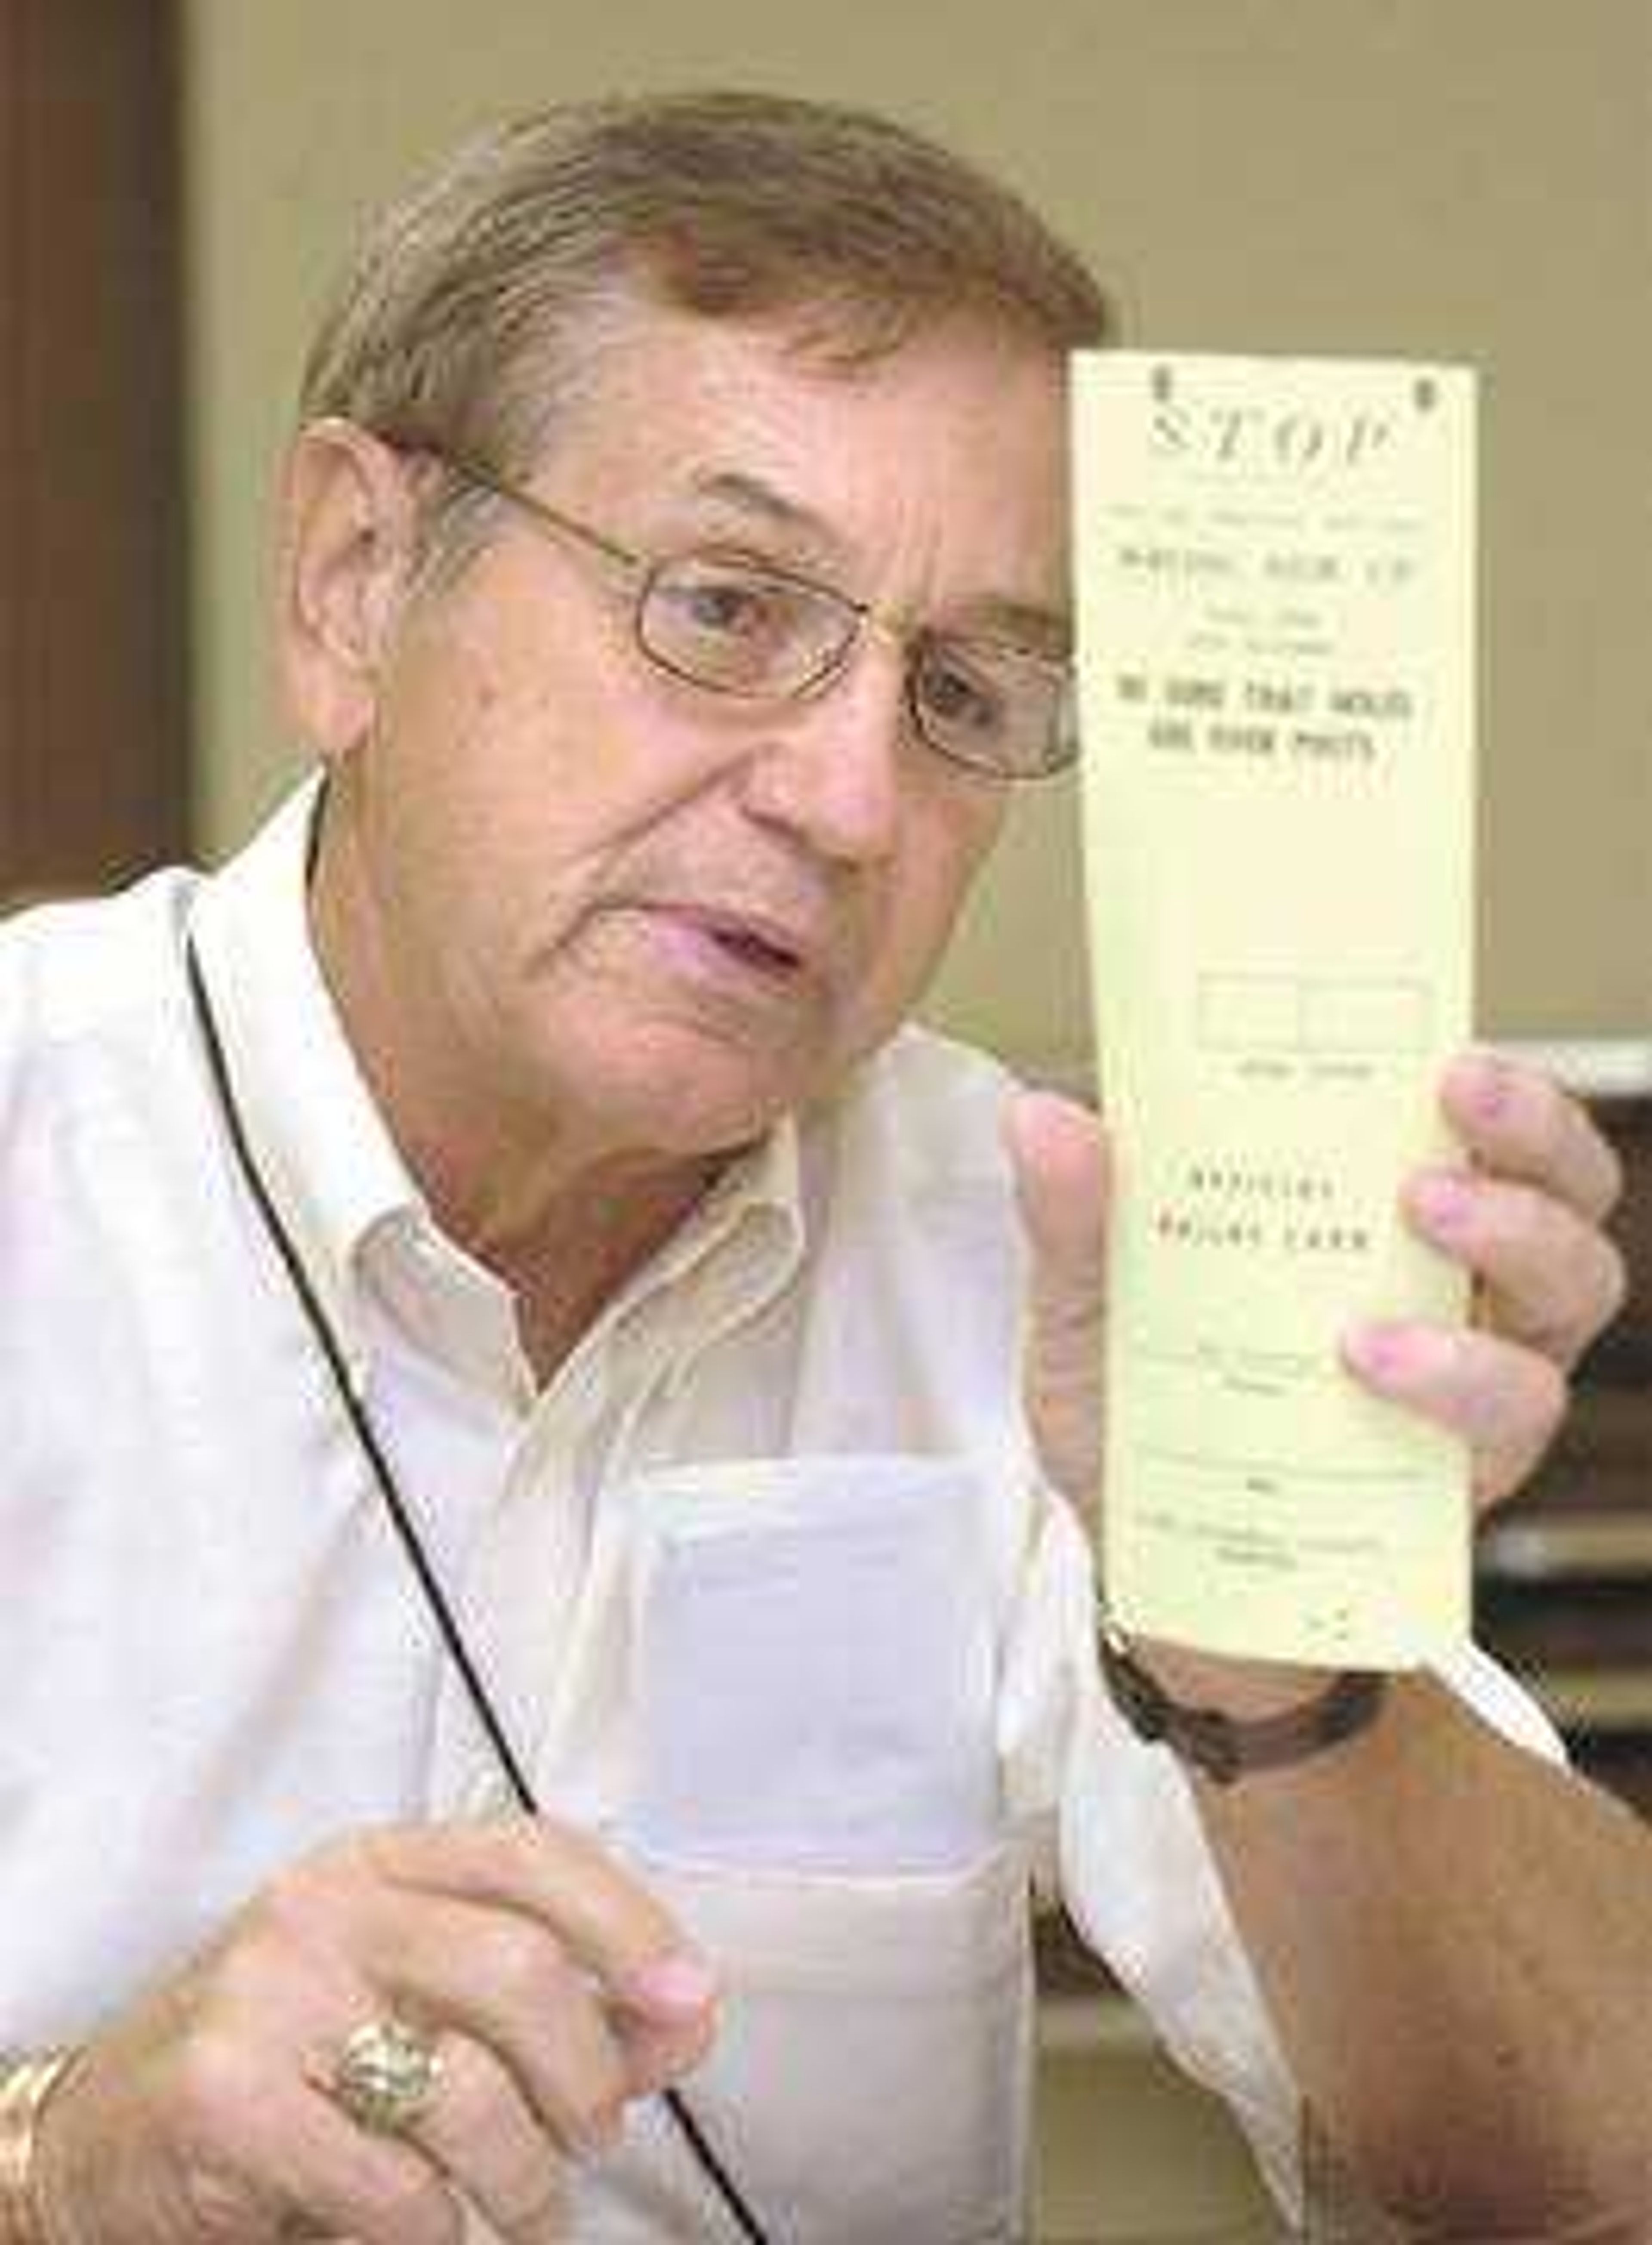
(1275, 564)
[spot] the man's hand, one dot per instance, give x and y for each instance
(1522, 1216)
(554, 1988)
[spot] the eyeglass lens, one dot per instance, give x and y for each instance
(743, 631)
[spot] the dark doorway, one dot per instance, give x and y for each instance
(93, 755)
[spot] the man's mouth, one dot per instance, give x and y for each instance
(753, 942)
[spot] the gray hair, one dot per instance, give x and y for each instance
(480, 301)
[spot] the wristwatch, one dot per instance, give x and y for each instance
(26, 2080)
(1223, 1748)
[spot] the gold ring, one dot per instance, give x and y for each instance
(386, 2075)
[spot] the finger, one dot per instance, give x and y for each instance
(1522, 1126)
(480, 2130)
(1504, 1401)
(1058, 1152)
(371, 2190)
(1551, 1280)
(656, 2057)
(302, 2153)
(607, 1921)
(503, 1979)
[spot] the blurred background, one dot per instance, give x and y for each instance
(1465, 179)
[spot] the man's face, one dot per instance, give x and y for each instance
(611, 901)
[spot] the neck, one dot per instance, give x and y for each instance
(581, 1249)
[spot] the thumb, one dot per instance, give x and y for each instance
(1058, 1153)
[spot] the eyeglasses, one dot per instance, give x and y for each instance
(760, 633)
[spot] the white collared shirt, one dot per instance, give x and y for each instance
(213, 1656)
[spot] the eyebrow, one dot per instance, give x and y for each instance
(751, 495)
(1041, 630)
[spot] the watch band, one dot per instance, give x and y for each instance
(1223, 1748)
(26, 2081)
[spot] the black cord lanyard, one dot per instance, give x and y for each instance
(408, 1535)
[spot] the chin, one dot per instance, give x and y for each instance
(667, 1104)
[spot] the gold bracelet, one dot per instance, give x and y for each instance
(25, 2083)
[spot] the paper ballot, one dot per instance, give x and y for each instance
(1275, 564)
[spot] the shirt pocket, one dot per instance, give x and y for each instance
(870, 2077)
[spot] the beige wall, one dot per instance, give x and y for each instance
(1442, 177)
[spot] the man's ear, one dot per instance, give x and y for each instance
(346, 551)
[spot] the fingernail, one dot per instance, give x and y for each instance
(1379, 1351)
(1444, 1202)
(679, 1984)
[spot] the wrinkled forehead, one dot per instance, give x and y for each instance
(948, 449)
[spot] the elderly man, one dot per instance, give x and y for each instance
(675, 592)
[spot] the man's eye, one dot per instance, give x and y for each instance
(729, 607)
(956, 695)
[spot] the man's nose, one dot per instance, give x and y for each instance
(830, 764)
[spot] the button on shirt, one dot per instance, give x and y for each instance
(215, 1655)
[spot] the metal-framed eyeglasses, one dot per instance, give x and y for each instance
(760, 632)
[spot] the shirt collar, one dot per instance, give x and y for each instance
(323, 1149)
(733, 1254)
(314, 1130)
